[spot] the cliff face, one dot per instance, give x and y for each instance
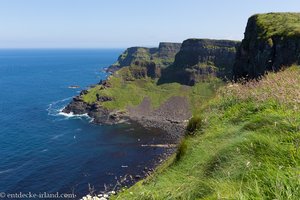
(167, 51)
(153, 59)
(198, 59)
(271, 42)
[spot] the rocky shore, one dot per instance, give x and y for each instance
(126, 181)
(171, 116)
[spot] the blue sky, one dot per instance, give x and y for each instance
(124, 23)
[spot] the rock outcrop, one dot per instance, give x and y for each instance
(167, 51)
(199, 59)
(153, 59)
(271, 42)
(99, 114)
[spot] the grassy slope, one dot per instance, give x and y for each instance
(132, 93)
(248, 147)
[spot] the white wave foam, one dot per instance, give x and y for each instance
(72, 115)
(56, 109)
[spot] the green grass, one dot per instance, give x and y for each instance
(278, 24)
(248, 148)
(131, 93)
(201, 93)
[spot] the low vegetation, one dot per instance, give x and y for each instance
(247, 148)
(195, 125)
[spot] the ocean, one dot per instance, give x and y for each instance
(44, 151)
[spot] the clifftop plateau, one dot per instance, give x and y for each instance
(271, 42)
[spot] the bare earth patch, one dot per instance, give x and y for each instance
(171, 116)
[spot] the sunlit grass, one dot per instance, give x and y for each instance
(279, 24)
(131, 93)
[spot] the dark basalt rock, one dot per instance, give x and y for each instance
(99, 114)
(104, 83)
(199, 59)
(103, 98)
(151, 69)
(77, 107)
(83, 92)
(160, 57)
(168, 50)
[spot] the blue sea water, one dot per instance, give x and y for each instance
(42, 151)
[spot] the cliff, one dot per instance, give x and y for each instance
(271, 42)
(153, 59)
(199, 59)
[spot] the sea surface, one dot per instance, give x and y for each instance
(44, 151)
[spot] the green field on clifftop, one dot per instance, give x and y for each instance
(279, 24)
(248, 147)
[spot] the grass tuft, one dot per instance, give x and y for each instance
(195, 125)
(181, 151)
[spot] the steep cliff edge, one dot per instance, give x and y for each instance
(153, 59)
(199, 59)
(271, 42)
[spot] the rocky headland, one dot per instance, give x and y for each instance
(138, 63)
(189, 63)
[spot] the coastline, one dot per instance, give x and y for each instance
(79, 108)
(167, 117)
(171, 117)
(161, 161)
(129, 180)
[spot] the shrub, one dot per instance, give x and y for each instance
(195, 124)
